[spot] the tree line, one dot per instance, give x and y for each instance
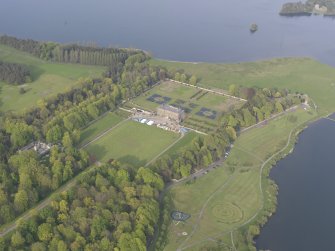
(12, 73)
(71, 53)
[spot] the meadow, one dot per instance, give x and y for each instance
(225, 200)
(48, 79)
(132, 143)
(296, 74)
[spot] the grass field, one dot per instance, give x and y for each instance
(48, 78)
(132, 143)
(184, 142)
(108, 121)
(221, 202)
(297, 74)
(191, 100)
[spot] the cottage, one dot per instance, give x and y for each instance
(40, 147)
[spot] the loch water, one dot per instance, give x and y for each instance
(304, 219)
(185, 30)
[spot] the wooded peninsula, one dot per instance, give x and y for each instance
(317, 7)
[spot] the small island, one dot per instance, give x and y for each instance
(253, 28)
(317, 7)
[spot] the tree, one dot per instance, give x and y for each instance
(249, 119)
(67, 141)
(38, 246)
(193, 80)
(233, 90)
(62, 246)
(45, 232)
(185, 170)
(6, 213)
(149, 177)
(93, 111)
(54, 134)
(279, 107)
(177, 76)
(231, 132)
(183, 78)
(17, 240)
(21, 201)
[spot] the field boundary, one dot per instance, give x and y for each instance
(209, 90)
(165, 150)
(103, 133)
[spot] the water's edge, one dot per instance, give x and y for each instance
(266, 176)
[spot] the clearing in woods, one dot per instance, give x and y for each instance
(133, 143)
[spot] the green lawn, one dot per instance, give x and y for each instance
(297, 74)
(132, 143)
(100, 126)
(229, 195)
(184, 142)
(48, 79)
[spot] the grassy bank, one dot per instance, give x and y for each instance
(48, 79)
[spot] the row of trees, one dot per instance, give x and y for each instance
(200, 153)
(70, 53)
(12, 73)
(111, 208)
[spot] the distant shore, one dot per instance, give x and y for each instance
(308, 8)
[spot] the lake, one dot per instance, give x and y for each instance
(185, 30)
(304, 219)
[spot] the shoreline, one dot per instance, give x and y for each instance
(241, 62)
(266, 175)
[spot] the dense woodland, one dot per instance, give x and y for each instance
(113, 206)
(12, 73)
(71, 53)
